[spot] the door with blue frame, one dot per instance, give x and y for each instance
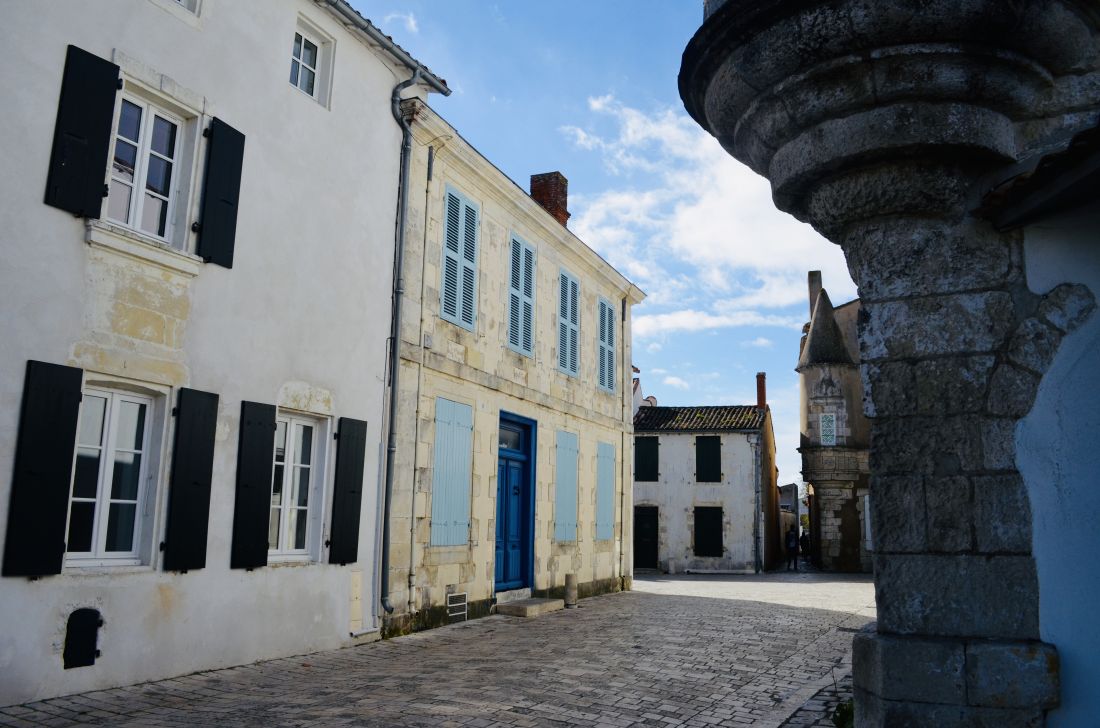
(515, 501)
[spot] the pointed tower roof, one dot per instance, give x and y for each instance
(824, 342)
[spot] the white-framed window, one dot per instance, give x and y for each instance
(114, 452)
(297, 478)
(311, 55)
(606, 345)
(145, 168)
(192, 5)
(569, 327)
(521, 298)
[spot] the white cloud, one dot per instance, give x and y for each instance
(693, 227)
(760, 342)
(407, 19)
(649, 325)
(676, 382)
(657, 370)
(653, 347)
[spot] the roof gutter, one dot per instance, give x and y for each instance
(374, 35)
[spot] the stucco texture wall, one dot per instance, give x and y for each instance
(1058, 459)
(299, 321)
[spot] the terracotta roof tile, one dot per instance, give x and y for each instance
(698, 419)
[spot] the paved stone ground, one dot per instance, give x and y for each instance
(677, 651)
(817, 712)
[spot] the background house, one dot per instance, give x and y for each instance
(515, 392)
(835, 434)
(188, 328)
(705, 494)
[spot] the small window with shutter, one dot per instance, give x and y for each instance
(606, 363)
(458, 288)
(569, 329)
(521, 297)
(708, 459)
(646, 459)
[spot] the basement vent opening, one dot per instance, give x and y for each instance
(456, 607)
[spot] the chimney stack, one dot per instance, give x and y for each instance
(551, 190)
(761, 391)
(814, 280)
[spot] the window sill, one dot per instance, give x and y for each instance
(288, 560)
(107, 236)
(102, 567)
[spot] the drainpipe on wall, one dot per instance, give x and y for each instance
(754, 442)
(395, 328)
(628, 402)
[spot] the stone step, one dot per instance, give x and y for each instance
(530, 607)
(514, 595)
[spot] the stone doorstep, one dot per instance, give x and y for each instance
(530, 607)
(513, 596)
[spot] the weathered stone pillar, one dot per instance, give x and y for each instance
(877, 121)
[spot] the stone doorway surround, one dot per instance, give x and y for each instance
(884, 123)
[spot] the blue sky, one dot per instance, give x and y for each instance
(589, 89)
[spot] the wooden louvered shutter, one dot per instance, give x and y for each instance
(708, 459)
(606, 364)
(568, 324)
(565, 487)
(521, 297)
(190, 480)
(221, 194)
(82, 134)
(35, 540)
(451, 473)
(708, 531)
(251, 510)
(449, 292)
(646, 459)
(605, 491)
(468, 311)
(347, 495)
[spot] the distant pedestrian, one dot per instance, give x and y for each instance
(792, 549)
(804, 546)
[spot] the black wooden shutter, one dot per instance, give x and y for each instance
(220, 194)
(35, 541)
(255, 460)
(82, 134)
(708, 531)
(189, 484)
(347, 492)
(646, 459)
(708, 459)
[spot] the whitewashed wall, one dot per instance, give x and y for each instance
(677, 494)
(1058, 457)
(300, 320)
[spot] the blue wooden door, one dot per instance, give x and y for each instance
(509, 566)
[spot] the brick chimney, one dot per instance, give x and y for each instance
(551, 190)
(761, 391)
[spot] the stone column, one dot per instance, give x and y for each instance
(880, 122)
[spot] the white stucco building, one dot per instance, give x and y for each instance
(705, 494)
(195, 316)
(513, 464)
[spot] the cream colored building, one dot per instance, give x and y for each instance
(514, 427)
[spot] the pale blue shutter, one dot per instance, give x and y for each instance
(521, 297)
(565, 487)
(605, 491)
(606, 364)
(454, 428)
(458, 289)
(469, 265)
(568, 324)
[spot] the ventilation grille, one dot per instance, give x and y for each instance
(456, 607)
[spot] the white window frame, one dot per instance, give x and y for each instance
(318, 477)
(518, 295)
(322, 72)
(606, 365)
(149, 112)
(147, 473)
(569, 323)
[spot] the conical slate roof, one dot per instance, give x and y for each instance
(824, 342)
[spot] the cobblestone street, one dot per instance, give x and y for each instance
(679, 650)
